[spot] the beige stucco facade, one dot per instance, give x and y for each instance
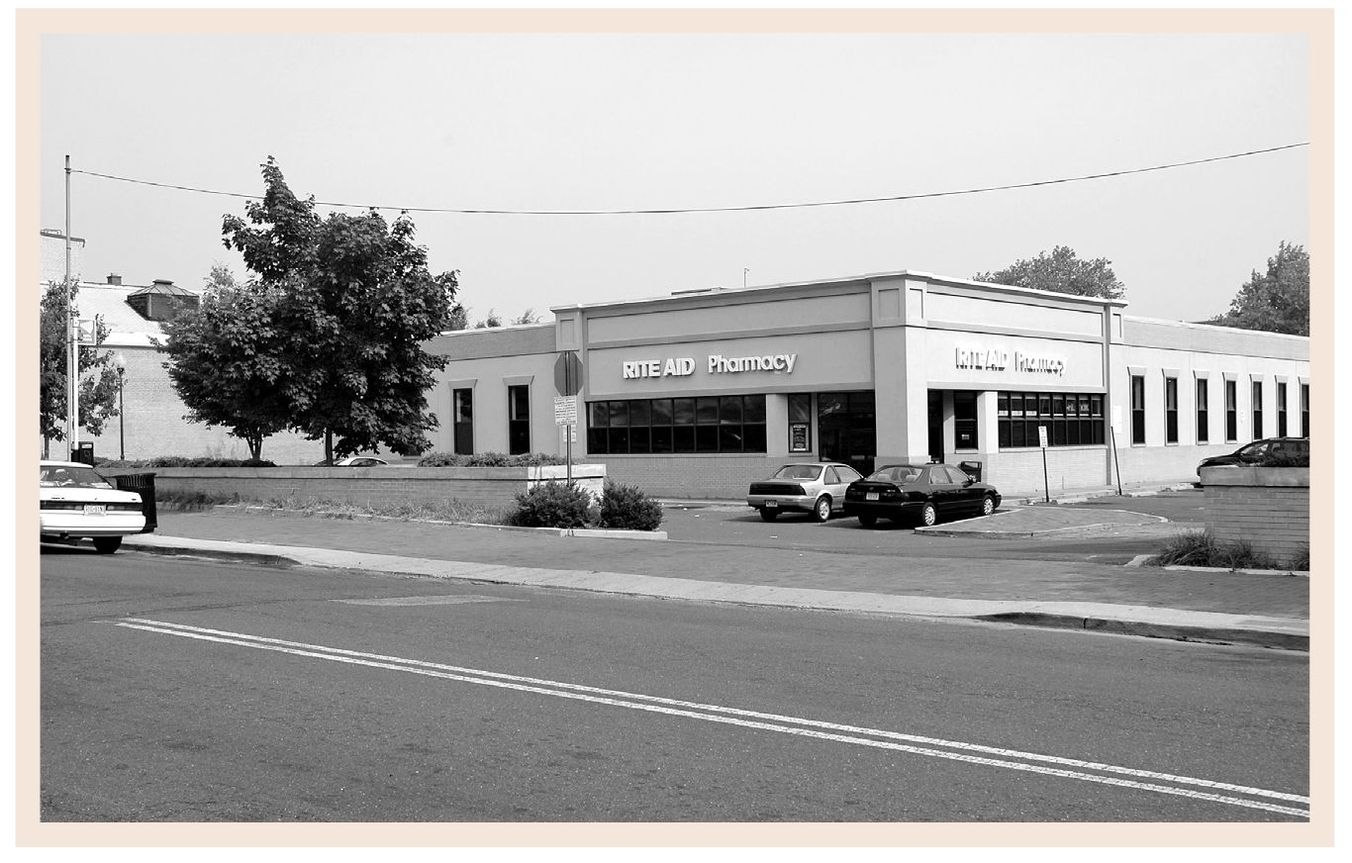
(923, 365)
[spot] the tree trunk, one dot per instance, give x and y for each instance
(328, 446)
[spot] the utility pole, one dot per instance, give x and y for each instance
(72, 344)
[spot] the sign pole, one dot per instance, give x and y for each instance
(1046, 483)
(568, 429)
(72, 344)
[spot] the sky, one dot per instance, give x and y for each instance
(688, 121)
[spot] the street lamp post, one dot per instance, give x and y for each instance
(121, 362)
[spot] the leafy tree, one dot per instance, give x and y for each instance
(1277, 301)
(527, 317)
(98, 380)
(1061, 271)
(355, 298)
(459, 319)
(228, 360)
(493, 320)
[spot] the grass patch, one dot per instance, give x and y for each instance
(191, 501)
(448, 510)
(1200, 548)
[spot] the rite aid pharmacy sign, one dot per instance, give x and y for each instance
(715, 364)
(997, 359)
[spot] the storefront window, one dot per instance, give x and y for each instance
(1231, 412)
(1257, 409)
(686, 425)
(1281, 410)
(1138, 409)
(964, 420)
(462, 410)
(1171, 410)
(1202, 417)
(518, 419)
(1072, 419)
(800, 422)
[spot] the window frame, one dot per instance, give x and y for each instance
(1137, 391)
(1203, 405)
(518, 425)
(462, 420)
(1170, 410)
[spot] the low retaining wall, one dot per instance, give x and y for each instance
(365, 486)
(1267, 507)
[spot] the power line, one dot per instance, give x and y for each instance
(741, 209)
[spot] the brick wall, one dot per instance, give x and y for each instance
(1019, 472)
(491, 486)
(1267, 507)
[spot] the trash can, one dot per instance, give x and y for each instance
(84, 452)
(972, 469)
(144, 485)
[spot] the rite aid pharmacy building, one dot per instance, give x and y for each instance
(699, 393)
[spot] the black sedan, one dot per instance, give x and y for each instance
(918, 492)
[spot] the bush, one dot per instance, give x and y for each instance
(627, 507)
(184, 461)
(1200, 548)
(553, 504)
(488, 459)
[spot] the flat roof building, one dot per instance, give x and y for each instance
(698, 393)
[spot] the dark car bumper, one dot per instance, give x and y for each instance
(881, 509)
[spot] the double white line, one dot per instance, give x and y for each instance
(971, 753)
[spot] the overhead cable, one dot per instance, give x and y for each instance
(736, 209)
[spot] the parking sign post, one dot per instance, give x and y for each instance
(1042, 442)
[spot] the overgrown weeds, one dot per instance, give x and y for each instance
(1201, 548)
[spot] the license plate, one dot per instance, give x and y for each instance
(95, 509)
(870, 495)
(771, 504)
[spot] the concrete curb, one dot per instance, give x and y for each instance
(1284, 633)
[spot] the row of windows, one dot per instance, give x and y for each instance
(1258, 425)
(677, 425)
(1071, 419)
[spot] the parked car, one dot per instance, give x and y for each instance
(354, 461)
(918, 492)
(1260, 451)
(817, 488)
(76, 502)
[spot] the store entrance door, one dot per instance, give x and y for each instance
(936, 425)
(847, 429)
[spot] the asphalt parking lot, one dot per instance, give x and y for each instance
(733, 523)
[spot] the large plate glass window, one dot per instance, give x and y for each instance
(1072, 419)
(677, 425)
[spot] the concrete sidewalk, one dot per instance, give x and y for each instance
(1255, 609)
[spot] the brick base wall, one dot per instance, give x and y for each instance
(716, 477)
(489, 486)
(1267, 507)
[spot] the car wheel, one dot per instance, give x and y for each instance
(822, 510)
(868, 520)
(107, 544)
(929, 515)
(987, 505)
(769, 514)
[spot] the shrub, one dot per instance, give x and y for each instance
(627, 507)
(1301, 562)
(1200, 548)
(488, 459)
(1286, 459)
(553, 504)
(184, 461)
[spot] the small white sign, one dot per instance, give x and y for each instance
(565, 410)
(1042, 436)
(85, 329)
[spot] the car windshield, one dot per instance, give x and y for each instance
(798, 471)
(901, 473)
(54, 476)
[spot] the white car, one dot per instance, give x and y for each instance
(815, 487)
(77, 502)
(357, 461)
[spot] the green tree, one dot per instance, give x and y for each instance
(1062, 271)
(1277, 301)
(355, 298)
(529, 316)
(229, 361)
(493, 320)
(98, 380)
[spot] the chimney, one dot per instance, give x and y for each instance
(114, 279)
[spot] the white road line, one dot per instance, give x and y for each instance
(732, 716)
